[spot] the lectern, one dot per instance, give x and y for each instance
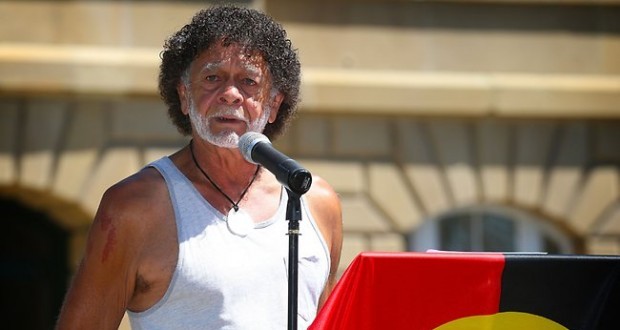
(445, 290)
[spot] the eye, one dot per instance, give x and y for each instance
(249, 82)
(211, 78)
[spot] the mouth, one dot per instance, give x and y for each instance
(227, 119)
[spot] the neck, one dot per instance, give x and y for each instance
(231, 187)
(227, 164)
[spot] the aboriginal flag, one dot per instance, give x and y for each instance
(450, 291)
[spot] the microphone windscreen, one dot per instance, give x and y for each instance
(248, 141)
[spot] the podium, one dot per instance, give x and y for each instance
(451, 290)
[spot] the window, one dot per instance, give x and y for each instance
(489, 229)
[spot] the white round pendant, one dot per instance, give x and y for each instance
(239, 222)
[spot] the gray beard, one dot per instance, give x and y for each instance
(226, 138)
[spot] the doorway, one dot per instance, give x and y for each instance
(33, 267)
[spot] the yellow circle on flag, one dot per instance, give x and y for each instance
(502, 321)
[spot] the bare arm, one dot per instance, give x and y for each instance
(105, 280)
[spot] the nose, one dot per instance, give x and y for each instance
(231, 95)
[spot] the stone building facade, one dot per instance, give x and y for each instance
(416, 112)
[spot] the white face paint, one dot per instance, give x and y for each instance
(227, 138)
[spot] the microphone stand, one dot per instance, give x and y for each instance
(257, 149)
(293, 215)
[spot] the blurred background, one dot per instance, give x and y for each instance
(489, 125)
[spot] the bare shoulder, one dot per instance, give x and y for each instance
(134, 197)
(130, 210)
(143, 184)
(323, 200)
(137, 194)
(326, 209)
(132, 214)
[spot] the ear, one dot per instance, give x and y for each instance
(183, 93)
(275, 106)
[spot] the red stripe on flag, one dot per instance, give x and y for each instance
(397, 290)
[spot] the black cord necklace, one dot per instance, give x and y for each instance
(234, 205)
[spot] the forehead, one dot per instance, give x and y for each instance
(219, 56)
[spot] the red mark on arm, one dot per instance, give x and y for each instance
(108, 226)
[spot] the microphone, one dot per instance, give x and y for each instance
(257, 149)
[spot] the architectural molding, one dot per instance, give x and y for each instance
(68, 69)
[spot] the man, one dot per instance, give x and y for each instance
(197, 240)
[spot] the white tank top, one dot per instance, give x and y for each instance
(225, 281)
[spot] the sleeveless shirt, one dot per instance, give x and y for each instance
(225, 281)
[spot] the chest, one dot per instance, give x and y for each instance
(223, 272)
(220, 262)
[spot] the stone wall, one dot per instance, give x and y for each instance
(392, 172)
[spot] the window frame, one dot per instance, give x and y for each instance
(530, 231)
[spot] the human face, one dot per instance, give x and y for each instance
(227, 93)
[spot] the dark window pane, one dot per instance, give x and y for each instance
(455, 233)
(498, 233)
